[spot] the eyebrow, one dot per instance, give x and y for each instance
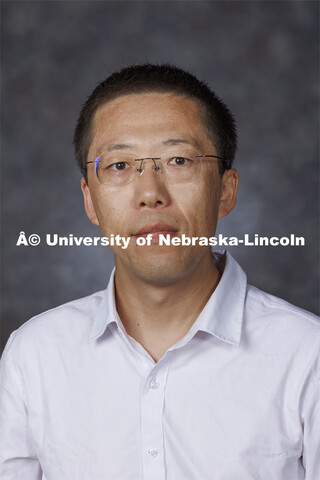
(116, 146)
(169, 142)
(178, 141)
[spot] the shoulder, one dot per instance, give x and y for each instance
(69, 322)
(279, 324)
(267, 305)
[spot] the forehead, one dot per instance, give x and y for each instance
(147, 120)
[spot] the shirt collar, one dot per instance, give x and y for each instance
(222, 316)
(106, 311)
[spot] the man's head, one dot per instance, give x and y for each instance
(216, 117)
(168, 125)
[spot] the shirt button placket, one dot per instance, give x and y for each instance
(152, 405)
(154, 384)
(153, 452)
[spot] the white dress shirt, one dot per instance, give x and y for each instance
(236, 399)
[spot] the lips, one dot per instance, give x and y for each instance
(155, 229)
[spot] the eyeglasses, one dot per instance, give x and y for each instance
(122, 168)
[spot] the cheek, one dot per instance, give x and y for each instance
(111, 212)
(202, 209)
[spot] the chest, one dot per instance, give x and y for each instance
(119, 417)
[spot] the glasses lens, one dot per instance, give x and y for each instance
(182, 169)
(115, 169)
(121, 168)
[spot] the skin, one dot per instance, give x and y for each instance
(160, 291)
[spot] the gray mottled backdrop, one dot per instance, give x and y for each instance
(261, 58)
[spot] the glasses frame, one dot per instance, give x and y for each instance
(156, 168)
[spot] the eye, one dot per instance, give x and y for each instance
(179, 161)
(119, 166)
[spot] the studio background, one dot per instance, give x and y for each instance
(261, 57)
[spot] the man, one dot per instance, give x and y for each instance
(179, 370)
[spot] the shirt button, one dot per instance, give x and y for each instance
(153, 452)
(154, 383)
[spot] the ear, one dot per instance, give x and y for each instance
(229, 187)
(88, 204)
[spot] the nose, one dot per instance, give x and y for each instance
(150, 189)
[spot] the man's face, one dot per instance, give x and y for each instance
(156, 125)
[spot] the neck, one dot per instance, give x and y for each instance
(158, 316)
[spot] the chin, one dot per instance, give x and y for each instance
(164, 266)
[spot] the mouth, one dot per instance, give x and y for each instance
(156, 230)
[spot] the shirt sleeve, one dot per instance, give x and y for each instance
(311, 443)
(18, 459)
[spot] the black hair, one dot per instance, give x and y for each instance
(163, 78)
